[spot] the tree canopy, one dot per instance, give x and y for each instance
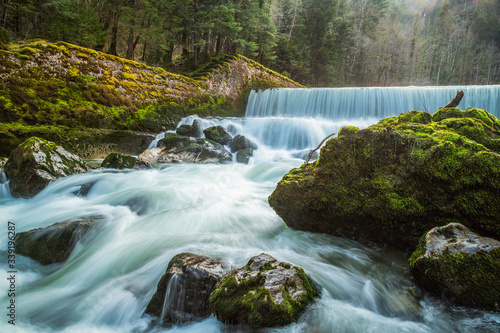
(315, 42)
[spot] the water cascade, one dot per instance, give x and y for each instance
(219, 211)
(375, 102)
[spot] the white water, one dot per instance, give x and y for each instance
(374, 102)
(216, 210)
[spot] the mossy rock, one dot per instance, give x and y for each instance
(263, 293)
(243, 155)
(459, 266)
(174, 141)
(393, 181)
(53, 244)
(218, 134)
(37, 162)
(190, 279)
(415, 117)
(119, 161)
(241, 142)
(189, 130)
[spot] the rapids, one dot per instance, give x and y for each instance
(215, 210)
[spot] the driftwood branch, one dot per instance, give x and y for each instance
(455, 101)
(313, 150)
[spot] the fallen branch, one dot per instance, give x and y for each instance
(455, 101)
(313, 150)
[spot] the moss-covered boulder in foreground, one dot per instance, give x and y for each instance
(459, 266)
(264, 293)
(392, 182)
(37, 162)
(54, 243)
(183, 291)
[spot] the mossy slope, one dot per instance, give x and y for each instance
(395, 180)
(63, 84)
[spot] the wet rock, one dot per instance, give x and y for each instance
(119, 161)
(54, 243)
(186, 285)
(392, 182)
(240, 142)
(190, 151)
(37, 162)
(218, 134)
(243, 155)
(459, 266)
(189, 130)
(3, 160)
(264, 293)
(172, 140)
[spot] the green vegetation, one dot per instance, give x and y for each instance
(461, 278)
(316, 42)
(61, 86)
(247, 301)
(397, 179)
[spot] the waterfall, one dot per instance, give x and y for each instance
(4, 186)
(375, 102)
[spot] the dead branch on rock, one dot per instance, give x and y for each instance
(455, 101)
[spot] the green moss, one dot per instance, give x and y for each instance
(397, 179)
(462, 279)
(415, 117)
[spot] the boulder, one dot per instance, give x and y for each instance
(183, 291)
(240, 142)
(173, 140)
(390, 183)
(264, 293)
(218, 134)
(37, 162)
(54, 243)
(459, 266)
(189, 130)
(243, 155)
(119, 161)
(179, 150)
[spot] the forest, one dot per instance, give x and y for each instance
(331, 43)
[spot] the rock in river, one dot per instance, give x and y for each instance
(175, 148)
(394, 181)
(37, 162)
(183, 291)
(459, 266)
(53, 243)
(264, 293)
(218, 134)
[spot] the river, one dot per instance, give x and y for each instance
(216, 210)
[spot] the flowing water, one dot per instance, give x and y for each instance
(148, 216)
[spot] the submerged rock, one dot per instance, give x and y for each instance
(37, 162)
(183, 291)
(218, 134)
(243, 155)
(119, 161)
(264, 293)
(241, 142)
(54, 243)
(189, 130)
(458, 265)
(180, 149)
(392, 182)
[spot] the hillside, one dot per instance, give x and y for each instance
(51, 87)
